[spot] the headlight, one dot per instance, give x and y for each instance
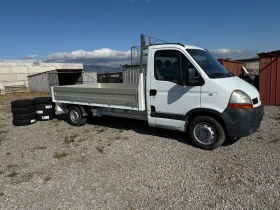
(240, 100)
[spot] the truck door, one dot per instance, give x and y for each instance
(170, 98)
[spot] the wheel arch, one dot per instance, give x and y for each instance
(84, 109)
(204, 112)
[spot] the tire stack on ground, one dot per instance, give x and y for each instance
(44, 108)
(24, 112)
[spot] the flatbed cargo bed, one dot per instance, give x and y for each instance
(113, 95)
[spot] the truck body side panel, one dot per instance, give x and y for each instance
(112, 95)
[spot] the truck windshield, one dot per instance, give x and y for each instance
(211, 66)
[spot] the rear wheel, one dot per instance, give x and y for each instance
(75, 117)
(206, 132)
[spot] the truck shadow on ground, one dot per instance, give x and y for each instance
(140, 127)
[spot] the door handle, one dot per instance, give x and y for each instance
(153, 92)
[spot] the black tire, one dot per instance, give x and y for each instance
(41, 117)
(44, 112)
(23, 122)
(43, 106)
(28, 116)
(22, 103)
(75, 111)
(53, 109)
(25, 110)
(43, 100)
(209, 127)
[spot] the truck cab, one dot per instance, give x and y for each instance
(187, 89)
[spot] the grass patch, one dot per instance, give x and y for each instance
(70, 139)
(118, 137)
(12, 166)
(2, 132)
(101, 130)
(47, 178)
(2, 137)
(55, 123)
(39, 148)
(59, 155)
(100, 149)
(2, 194)
(82, 139)
(12, 174)
(274, 141)
(26, 177)
(121, 131)
(8, 153)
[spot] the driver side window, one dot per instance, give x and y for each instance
(172, 66)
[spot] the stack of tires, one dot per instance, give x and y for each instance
(24, 112)
(44, 108)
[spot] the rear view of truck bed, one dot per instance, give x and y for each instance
(113, 95)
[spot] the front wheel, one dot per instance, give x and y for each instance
(206, 132)
(75, 116)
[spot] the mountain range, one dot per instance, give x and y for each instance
(101, 69)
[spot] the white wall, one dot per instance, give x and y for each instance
(15, 72)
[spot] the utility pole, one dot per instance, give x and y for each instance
(142, 41)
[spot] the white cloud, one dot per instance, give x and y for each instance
(113, 58)
(33, 56)
(233, 54)
(104, 56)
(222, 51)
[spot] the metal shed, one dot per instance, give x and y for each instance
(110, 77)
(42, 82)
(270, 77)
(234, 67)
(131, 73)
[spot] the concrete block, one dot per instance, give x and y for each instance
(21, 76)
(8, 77)
(19, 69)
(5, 69)
(7, 63)
(19, 83)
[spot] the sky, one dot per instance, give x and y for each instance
(102, 31)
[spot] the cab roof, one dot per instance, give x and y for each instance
(174, 45)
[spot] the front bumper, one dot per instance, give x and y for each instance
(242, 122)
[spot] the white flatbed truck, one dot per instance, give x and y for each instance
(183, 88)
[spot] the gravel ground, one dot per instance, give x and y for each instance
(113, 163)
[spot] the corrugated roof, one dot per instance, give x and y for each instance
(249, 59)
(57, 71)
(276, 52)
(228, 60)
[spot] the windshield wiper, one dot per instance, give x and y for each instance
(230, 74)
(222, 74)
(217, 74)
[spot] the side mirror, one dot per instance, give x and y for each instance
(191, 78)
